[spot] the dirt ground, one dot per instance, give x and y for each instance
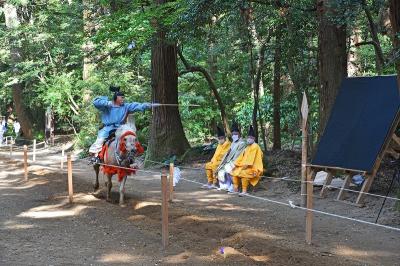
(39, 227)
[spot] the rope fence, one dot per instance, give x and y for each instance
(291, 205)
(292, 180)
(309, 210)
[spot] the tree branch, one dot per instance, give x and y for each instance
(363, 43)
(211, 84)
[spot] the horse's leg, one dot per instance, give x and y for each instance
(122, 191)
(109, 186)
(96, 168)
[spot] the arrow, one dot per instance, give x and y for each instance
(172, 104)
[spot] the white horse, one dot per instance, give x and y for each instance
(120, 152)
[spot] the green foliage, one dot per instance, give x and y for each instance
(120, 34)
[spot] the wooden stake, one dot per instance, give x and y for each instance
(70, 185)
(34, 150)
(345, 185)
(309, 214)
(62, 158)
(304, 130)
(164, 209)
(26, 162)
(327, 182)
(11, 150)
(171, 182)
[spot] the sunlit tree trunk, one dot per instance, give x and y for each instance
(277, 93)
(167, 137)
(12, 22)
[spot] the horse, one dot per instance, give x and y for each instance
(119, 152)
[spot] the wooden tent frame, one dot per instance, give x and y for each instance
(391, 146)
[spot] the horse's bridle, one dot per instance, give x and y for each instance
(119, 158)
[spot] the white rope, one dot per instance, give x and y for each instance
(330, 186)
(307, 209)
(182, 167)
(298, 180)
(366, 193)
(120, 167)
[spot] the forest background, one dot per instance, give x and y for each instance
(243, 60)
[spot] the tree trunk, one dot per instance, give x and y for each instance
(88, 46)
(332, 61)
(257, 89)
(353, 68)
(167, 137)
(256, 96)
(395, 21)
(379, 57)
(13, 22)
(277, 94)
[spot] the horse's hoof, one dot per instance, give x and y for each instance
(122, 205)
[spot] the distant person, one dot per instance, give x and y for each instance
(3, 130)
(248, 166)
(17, 128)
(223, 146)
(227, 164)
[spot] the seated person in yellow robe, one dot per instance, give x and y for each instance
(248, 166)
(223, 147)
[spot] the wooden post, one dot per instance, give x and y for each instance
(304, 114)
(70, 185)
(171, 182)
(309, 214)
(164, 209)
(26, 162)
(62, 158)
(11, 150)
(34, 150)
(345, 185)
(327, 182)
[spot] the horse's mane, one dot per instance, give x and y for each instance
(122, 129)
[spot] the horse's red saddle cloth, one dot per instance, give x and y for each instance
(108, 169)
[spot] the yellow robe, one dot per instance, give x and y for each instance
(252, 158)
(218, 156)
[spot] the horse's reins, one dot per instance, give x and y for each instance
(117, 155)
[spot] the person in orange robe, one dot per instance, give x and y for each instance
(248, 166)
(223, 147)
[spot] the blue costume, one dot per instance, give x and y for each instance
(113, 116)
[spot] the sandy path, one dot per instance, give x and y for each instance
(39, 227)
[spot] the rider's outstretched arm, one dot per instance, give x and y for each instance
(102, 103)
(137, 107)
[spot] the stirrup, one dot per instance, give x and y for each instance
(94, 160)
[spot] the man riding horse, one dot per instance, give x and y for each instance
(113, 114)
(117, 154)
